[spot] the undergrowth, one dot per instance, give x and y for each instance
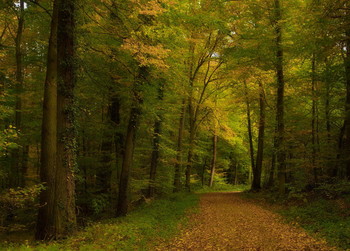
(328, 219)
(142, 229)
(323, 212)
(222, 188)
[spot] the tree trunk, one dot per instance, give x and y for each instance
(256, 185)
(177, 176)
(213, 161)
(123, 198)
(347, 105)
(280, 151)
(332, 172)
(17, 178)
(235, 181)
(204, 168)
(118, 136)
(250, 133)
(104, 173)
(189, 162)
(19, 65)
(64, 214)
(155, 151)
(45, 224)
(313, 121)
(271, 180)
(135, 112)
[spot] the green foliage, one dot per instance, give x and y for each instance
(99, 203)
(333, 190)
(18, 205)
(329, 219)
(7, 137)
(140, 230)
(223, 187)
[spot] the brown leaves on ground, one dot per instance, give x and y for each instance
(228, 222)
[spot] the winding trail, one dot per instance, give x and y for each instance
(228, 222)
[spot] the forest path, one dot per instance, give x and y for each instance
(228, 222)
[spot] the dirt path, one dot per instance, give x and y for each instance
(228, 222)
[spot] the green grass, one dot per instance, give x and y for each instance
(142, 229)
(321, 216)
(325, 218)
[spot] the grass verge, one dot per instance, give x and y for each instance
(142, 229)
(328, 219)
(322, 218)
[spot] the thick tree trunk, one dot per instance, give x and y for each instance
(280, 151)
(65, 215)
(177, 176)
(45, 225)
(155, 151)
(256, 185)
(213, 161)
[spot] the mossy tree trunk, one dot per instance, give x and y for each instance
(45, 225)
(64, 214)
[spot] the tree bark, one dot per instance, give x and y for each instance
(347, 105)
(17, 177)
(135, 112)
(250, 133)
(213, 161)
(313, 120)
(156, 141)
(280, 151)
(189, 162)
(45, 224)
(123, 198)
(104, 173)
(64, 214)
(177, 176)
(19, 65)
(256, 185)
(271, 180)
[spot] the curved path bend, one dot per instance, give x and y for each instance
(226, 221)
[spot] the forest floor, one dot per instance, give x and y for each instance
(227, 221)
